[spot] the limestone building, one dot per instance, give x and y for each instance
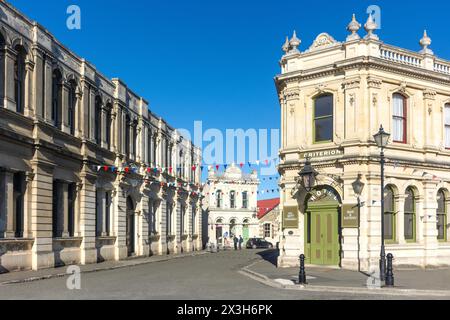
(88, 172)
(334, 96)
(231, 201)
(269, 220)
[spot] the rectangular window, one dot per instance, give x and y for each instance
(399, 119)
(389, 226)
(409, 226)
(57, 231)
(108, 214)
(323, 119)
(149, 147)
(442, 226)
(71, 209)
(447, 126)
(232, 200)
(267, 230)
(19, 189)
(244, 200)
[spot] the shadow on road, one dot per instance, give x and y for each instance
(270, 256)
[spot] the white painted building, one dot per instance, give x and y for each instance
(231, 200)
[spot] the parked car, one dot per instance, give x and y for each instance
(258, 243)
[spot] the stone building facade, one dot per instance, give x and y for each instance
(269, 220)
(334, 96)
(231, 205)
(88, 172)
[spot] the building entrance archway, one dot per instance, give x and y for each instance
(323, 227)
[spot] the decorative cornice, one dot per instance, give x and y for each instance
(351, 84)
(429, 94)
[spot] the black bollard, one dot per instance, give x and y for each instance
(390, 271)
(302, 274)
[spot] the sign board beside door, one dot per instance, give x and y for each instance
(290, 217)
(350, 216)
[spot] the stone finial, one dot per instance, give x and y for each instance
(353, 27)
(370, 27)
(295, 42)
(286, 45)
(425, 42)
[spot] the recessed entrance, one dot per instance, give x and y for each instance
(323, 227)
(130, 227)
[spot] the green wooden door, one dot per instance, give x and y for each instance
(324, 237)
(245, 233)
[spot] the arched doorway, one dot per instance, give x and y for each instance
(323, 227)
(245, 230)
(130, 226)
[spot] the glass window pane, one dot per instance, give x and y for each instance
(409, 201)
(441, 225)
(447, 114)
(388, 200)
(388, 226)
(398, 134)
(324, 130)
(399, 105)
(409, 226)
(441, 202)
(447, 136)
(324, 106)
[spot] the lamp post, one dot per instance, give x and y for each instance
(382, 140)
(308, 176)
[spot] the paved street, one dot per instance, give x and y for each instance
(209, 276)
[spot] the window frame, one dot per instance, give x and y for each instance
(414, 219)
(447, 146)
(269, 231)
(444, 213)
(404, 118)
(323, 117)
(394, 218)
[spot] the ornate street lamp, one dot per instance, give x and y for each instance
(382, 140)
(308, 176)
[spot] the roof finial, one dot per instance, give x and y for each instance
(286, 46)
(425, 42)
(370, 27)
(353, 27)
(295, 42)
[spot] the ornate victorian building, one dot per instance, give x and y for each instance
(334, 96)
(88, 173)
(231, 201)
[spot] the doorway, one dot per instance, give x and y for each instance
(130, 227)
(323, 228)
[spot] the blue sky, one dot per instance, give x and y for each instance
(215, 60)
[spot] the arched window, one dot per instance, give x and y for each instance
(2, 64)
(389, 214)
(127, 135)
(447, 125)
(219, 198)
(135, 136)
(323, 119)
(108, 126)
(98, 120)
(399, 117)
(72, 105)
(232, 199)
(19, 79)
(56, 98)
(410, 216)
(245, 200)
(441, 216)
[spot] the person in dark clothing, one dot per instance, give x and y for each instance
(235, 239)
(241, 240)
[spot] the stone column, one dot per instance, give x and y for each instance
(86, 194)
(429, 217)
(91, 114)
(38, 84)
(29, 109)
(65, 109)
(104, 123)
(79, 128)
(2, 78)
(9, 98)
(41, 214)
(63, 208)
(7, 204)
(400, 219)
(47, 90)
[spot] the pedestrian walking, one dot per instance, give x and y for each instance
(235, 239)
(241, 241)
